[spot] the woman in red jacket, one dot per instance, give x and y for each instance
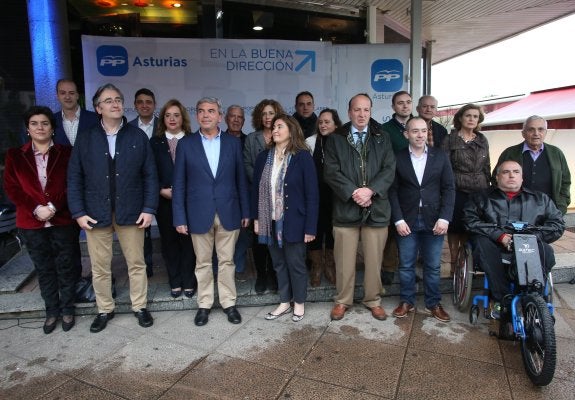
(35, 181)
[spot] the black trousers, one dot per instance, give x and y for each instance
(177, 249)
(487, 254)
(52, 252)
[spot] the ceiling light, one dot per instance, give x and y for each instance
(141, 3)
(176, 5)
(106, 3)
(258, 28)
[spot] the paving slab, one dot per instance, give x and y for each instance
(362, 365)
(142, 369)
(428, 375)
(24, 379)
(286, 346)
(233, 378)
(76, 390)
(306, 389)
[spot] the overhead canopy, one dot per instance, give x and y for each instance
(452, 27)
(549, 104)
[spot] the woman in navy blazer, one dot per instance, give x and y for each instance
(285, 206)
(177, 249)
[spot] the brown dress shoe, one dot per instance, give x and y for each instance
(402, 310)
(378, 313)
(338, 311)
(438, 313)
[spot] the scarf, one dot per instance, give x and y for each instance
(265, 205)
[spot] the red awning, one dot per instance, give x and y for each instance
(549, 104)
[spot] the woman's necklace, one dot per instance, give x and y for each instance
(467, 139)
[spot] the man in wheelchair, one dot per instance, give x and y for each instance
(488, 212)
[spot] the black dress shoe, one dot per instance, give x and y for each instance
(68, 322)
(233, 315)
(175, 293)
(202, 316)
(101, 321)
(145, 319)
(50, 325)
(189, 293)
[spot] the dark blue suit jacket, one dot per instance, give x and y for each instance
(197, 195)
(87, 120)
(134, 122)
(301, 195)
(164, 162)
(436, 192)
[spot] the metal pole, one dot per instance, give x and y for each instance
(416, 53)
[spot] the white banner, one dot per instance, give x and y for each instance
(243, 71)
(379, 70)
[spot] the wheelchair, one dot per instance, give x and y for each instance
(527, 312)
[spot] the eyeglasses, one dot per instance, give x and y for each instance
(109, 101)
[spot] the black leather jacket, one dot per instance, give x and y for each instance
(493, 206)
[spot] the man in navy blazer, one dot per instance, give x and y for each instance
(210, 202)
(145, 105)
(422, 198)
(71, 119)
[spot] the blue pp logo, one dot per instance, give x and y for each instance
(112, 60)
(386, 75)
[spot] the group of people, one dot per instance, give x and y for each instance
(299, 188)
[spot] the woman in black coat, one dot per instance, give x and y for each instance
(177, 249)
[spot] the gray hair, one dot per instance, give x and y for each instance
(107, 86)
(234, 106)
(534, 118)
(427, 96)
(211, 100)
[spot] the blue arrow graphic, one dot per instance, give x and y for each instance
(309, 57)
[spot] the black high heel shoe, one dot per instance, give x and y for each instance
(50, 325)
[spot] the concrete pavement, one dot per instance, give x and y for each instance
(358, 357)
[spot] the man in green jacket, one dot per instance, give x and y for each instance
(359, 167)
(544, 166)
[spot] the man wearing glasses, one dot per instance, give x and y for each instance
(544, 165)
(113, 188)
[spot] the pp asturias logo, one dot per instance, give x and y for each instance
(387, 75)
(112, 60)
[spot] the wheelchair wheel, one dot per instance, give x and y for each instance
(538, 348)
(463, 278)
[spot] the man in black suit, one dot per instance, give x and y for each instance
(424, 182)
(145, 105)
(71, 119)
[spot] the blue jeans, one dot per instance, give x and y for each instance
(421, 241)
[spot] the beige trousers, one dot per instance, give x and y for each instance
(225, 243)
(346, 241)
(100, 242)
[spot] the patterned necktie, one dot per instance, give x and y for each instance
(172, 143)
(430, 135)
(359, 142)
